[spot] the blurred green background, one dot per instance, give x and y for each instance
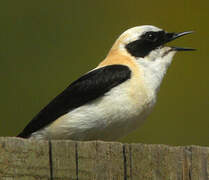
(45, 45)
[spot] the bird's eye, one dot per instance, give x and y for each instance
(151, 36)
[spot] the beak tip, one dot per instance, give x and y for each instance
(190, 32)
(177, 35)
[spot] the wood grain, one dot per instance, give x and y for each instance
(63, 160)
(99, 160)
(96, 160)
(24, 159)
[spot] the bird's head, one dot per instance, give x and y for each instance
(146, 45)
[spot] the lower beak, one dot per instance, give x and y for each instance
(172, 36)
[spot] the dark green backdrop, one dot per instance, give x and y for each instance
(45, 45)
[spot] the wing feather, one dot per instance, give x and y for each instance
(87, 88)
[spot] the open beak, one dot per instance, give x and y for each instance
(171, 36)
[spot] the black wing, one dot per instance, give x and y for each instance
(87, 88)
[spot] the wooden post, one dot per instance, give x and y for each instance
(96, 160)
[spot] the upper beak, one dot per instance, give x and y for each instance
(171, 36)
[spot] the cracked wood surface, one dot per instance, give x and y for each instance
(96, 160)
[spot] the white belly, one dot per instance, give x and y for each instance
(107, 118)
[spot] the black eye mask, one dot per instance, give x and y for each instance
(152, 40)
(146, 43)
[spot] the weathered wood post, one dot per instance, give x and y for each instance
(96, 160)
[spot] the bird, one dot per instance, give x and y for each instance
(115, 98)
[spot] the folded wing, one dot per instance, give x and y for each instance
(87, 88)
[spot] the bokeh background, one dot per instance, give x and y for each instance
(45, 45)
